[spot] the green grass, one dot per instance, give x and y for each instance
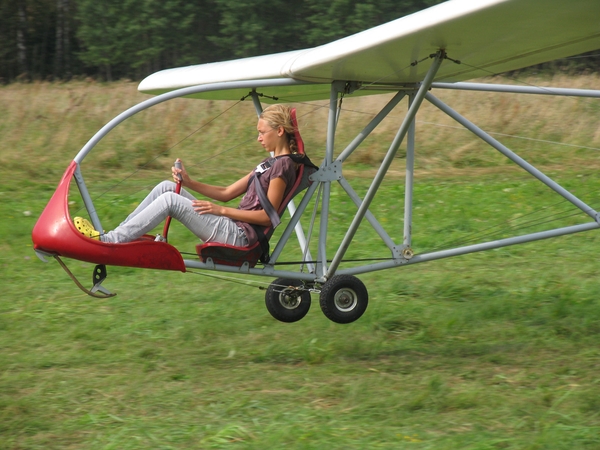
(493, 350)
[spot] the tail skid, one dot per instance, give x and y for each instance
(98, 277)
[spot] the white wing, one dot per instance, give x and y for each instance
(486, 36)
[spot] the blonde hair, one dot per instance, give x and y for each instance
(280, 116)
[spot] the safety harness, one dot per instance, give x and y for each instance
(266, 204)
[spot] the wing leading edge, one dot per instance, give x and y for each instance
(487, 36)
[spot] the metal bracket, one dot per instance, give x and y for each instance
(402, 253)
(42, 255)
(332, 172)
(98, 277)
(352, 86)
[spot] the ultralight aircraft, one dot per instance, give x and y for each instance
(435, 49)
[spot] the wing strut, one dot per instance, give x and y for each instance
(513, 157)
(406, 124)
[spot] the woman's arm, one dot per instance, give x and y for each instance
(260, 217)
(219, 193)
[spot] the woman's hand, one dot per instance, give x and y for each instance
(206, 207)
(185, 178)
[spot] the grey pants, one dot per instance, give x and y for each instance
(162, 202)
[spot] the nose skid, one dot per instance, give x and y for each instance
(55, 234)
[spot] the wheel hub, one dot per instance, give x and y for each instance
(345, 299)
(290, 298)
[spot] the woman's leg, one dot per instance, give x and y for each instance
(159, 189)
(157, 206)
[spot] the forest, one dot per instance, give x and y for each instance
(129, 39)
(111, 40)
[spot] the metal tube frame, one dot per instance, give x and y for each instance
(537, 90)
(88, 147)
(409, 182)
(512, 156)
(412, 112)
(330, 170)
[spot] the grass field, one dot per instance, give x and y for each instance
(493, 350)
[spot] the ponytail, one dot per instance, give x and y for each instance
(280, 116)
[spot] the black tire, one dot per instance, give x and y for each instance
(344, 299)
(286, 300)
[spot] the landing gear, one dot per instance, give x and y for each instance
(344, 298)
(287, 300)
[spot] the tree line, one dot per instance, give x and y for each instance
(116, 39)
(113, 39)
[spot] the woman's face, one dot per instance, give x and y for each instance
(268, 137)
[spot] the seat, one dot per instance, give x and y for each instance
(231, 255)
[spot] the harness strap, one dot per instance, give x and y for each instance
(266, 203)
(262, 197)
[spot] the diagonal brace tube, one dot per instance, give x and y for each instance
(369, 215)
(371, 126)
(512, 156)
(87, 199)
(385, 165)
(295, 224)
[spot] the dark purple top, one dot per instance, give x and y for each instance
(284, 168)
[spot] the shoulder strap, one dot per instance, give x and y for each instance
(265, 202)
(262, 197)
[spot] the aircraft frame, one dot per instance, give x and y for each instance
(343, 297)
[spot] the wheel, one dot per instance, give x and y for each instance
(344, 298)
(287, 300)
